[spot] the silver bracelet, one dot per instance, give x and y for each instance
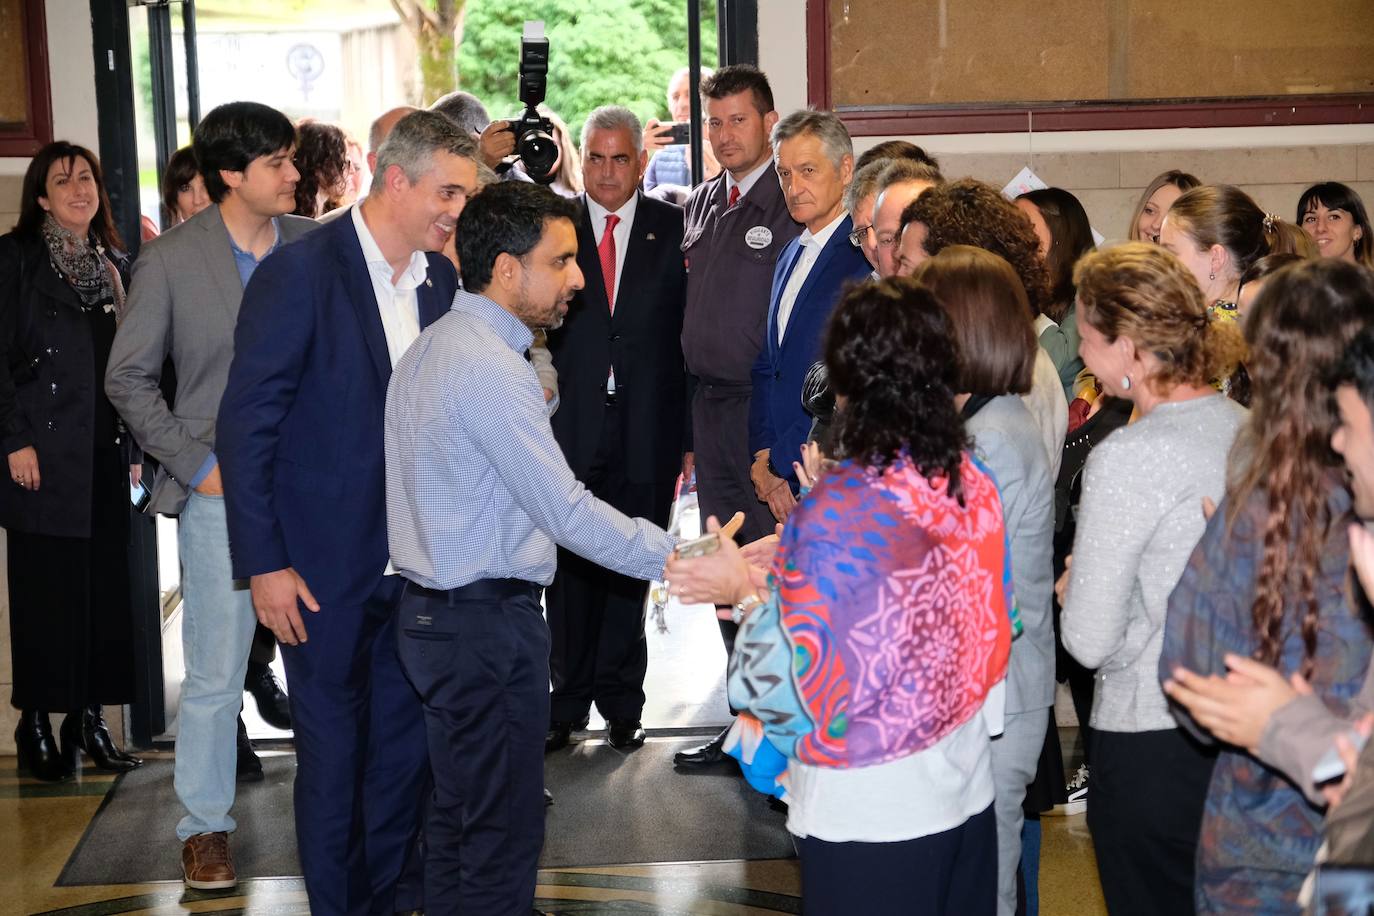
(743, 607)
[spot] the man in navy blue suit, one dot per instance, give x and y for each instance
(814, 159)
(300, 446)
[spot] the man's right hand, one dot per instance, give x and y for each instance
(496, 143)
(211, 485)
(275, 598)
(656, 135)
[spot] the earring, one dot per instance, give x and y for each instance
(1125, 383)
(1211, 276)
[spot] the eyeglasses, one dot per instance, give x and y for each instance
(856, 238)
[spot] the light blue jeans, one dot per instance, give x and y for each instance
(217, 623)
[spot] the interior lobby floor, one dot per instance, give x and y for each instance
(41, 825)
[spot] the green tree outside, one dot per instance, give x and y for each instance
(610, 51)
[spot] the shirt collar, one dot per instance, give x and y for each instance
(820, 238)
(599, 213)
(276, 231)
(415, 271)
(747, 184)
(510, 329)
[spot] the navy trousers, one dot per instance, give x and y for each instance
(361, 767)
(953, 873)
(479, 656)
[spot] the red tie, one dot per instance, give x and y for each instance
(607, 251)
(734, 198)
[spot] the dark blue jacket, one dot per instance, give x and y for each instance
(299, 435)
(777, 420)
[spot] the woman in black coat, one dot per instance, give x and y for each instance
(66, 506)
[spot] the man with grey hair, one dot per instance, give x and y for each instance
(300, 446)
(622, 423)
(870, 179)
(900, 183)
(814, 160)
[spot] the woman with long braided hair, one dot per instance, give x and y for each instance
(1269, 580)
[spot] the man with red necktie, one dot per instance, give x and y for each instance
(737, 224)
(621, 423)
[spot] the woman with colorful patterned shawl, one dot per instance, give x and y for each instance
(866, 671)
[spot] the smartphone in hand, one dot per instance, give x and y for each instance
(680, 133)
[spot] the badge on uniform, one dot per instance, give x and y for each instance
(758, 237)
(650, 237)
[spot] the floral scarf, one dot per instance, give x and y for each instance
(83, 264)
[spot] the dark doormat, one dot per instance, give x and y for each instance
(609, 809)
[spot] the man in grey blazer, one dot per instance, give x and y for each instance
(183, 304)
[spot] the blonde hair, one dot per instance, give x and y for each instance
(1181, 180)
(1144, 293)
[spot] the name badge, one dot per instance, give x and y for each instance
(758, 237)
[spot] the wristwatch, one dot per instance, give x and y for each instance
(743, 607)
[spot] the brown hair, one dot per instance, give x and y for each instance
(1223, 214)
(1142, 292)
(988, 312)
(322, 159)
(969, 212)
(896, 149)
(1181, 180)
(1299, 327)
(181, 170)
(35, 185)
(1071, 236)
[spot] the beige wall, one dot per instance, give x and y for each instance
(1108, 169)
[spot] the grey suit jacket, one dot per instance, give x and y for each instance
(183, 303)
(1007, 439)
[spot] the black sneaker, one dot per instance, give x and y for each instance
(249, 767)
(1077, 788)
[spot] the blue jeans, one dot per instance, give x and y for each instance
(217, 623)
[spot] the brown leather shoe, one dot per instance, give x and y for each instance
(206, 862)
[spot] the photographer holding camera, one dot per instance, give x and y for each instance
(666, 141)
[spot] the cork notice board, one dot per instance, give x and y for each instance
(14, 67)
(905, 53)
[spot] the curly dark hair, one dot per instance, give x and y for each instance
(970, 212)
(322, 159)
(1299, 328)
(891, 354)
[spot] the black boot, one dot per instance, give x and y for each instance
(85, 730)
(247, 766)
(37, 748)
(267, 693)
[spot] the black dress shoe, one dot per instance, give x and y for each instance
(548, 798)
(560, 733)
(85, 730)
(247, 766)
(37, 748)
(273, 705)
(624, 734)
(709, 754)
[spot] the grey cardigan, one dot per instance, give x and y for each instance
(1139, 519)
(1007, 440)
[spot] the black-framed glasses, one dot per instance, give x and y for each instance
(856, 238)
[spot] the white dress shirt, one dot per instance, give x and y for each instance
(397, 303)
(748, 181)
(811, 250)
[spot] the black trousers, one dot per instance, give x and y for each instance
(479, 656)
(946, 874)
(596, 616)
(71, 622)
(1145, 811)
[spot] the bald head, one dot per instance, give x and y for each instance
(381, 129)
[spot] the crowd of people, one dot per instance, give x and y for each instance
(970, 454)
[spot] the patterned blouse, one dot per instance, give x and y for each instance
(891, 618)
(1259, 834)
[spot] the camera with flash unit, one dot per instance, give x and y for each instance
(534, 142)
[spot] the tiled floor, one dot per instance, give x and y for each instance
(40, 826)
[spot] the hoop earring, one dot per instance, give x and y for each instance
(1125, 383)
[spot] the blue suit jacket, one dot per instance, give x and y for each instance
(777, 420)
(299, 436)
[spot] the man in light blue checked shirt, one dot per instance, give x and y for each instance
(478, 494)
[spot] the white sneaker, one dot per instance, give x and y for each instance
(1077, 788)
